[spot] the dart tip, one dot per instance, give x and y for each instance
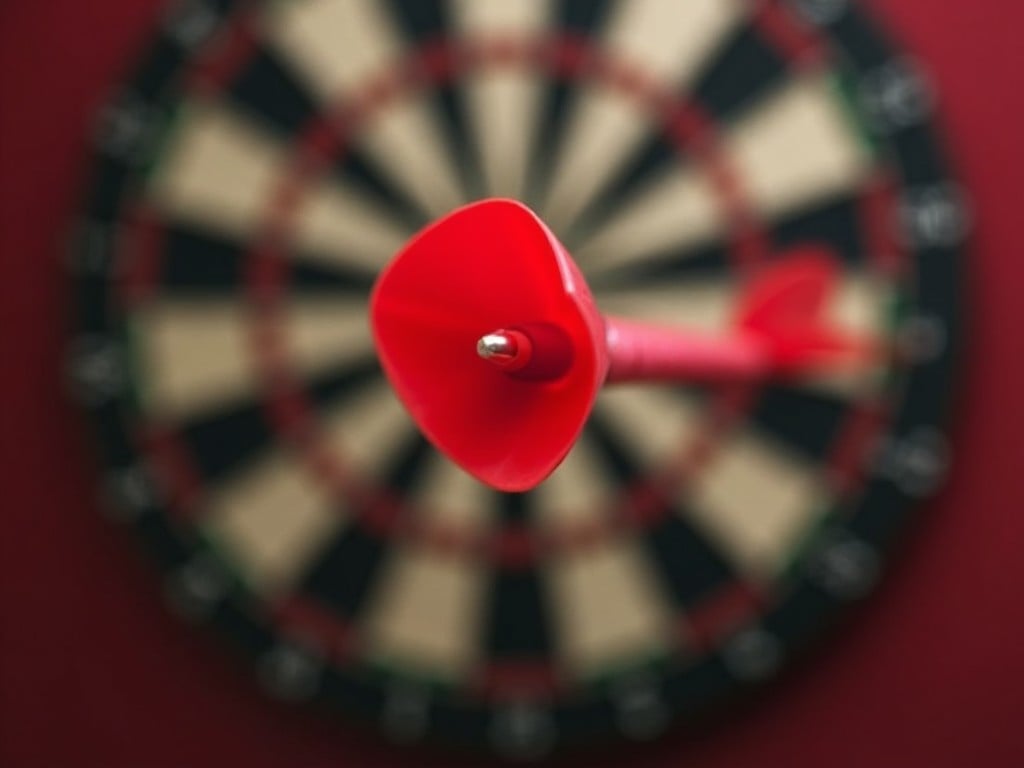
(499, 346)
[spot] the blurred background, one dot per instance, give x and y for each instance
(94, 671)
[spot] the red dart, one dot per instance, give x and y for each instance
(491, 338)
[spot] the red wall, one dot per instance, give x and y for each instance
(94, 673)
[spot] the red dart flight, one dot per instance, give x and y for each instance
(486, 329)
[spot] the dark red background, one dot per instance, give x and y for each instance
(94, 672)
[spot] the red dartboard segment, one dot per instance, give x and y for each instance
(695, 535)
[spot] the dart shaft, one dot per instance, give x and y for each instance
(642, 352)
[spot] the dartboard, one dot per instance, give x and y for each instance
(265, 163)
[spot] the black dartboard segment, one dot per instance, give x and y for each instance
(268, 160)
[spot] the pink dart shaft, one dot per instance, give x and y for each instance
(641, 352)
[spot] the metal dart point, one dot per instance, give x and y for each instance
(499, 346)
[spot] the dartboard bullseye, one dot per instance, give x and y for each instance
(760, 177)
